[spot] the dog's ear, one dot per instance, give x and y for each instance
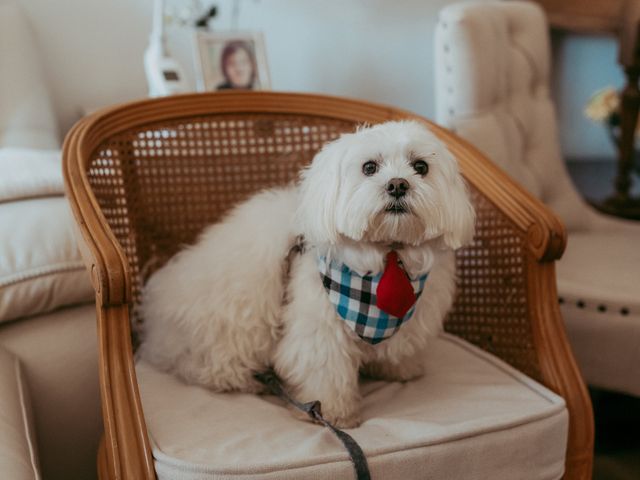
(320, 184)
(458, 222)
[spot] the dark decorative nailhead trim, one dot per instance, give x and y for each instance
(602, 308)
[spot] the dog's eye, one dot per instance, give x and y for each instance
(421, 167)
(369, 168)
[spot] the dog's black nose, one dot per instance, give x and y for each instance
(397, 187)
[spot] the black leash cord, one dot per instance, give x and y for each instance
(313, 409)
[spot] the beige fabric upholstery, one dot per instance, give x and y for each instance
(603, 317)
(492, 88)
(58, 355)
(26, 114)
(594, 269)
(492, 71)
(29, 173)
(18, 456)
(470, 417)
(40, 266)
(607, 351)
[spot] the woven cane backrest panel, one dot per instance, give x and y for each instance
(159, 185)
(491, 308)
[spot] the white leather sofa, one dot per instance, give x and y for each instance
(492, 88)
(50, 418)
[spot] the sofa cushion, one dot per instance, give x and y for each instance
(40, 266)
(26, 117)
(29, 173)
(18, 456)
(59, 356)
(470, 416)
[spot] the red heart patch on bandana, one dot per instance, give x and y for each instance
(395, 294)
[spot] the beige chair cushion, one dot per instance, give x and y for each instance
(59, 357)
(18, 457)
(40, 266)
(470, 417)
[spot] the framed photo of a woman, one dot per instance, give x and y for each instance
(231, 60)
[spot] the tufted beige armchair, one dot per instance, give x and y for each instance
(492, 88)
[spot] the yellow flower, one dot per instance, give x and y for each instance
(602, 104)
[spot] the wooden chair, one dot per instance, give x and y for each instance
(141, 183)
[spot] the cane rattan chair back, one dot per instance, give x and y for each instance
(144, 180)
(160, 184)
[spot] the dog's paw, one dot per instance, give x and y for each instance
(254, 387)
(408, 371)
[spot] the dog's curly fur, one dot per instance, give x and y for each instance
(215, 314)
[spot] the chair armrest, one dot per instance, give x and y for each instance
(125, 451)
(99, 248)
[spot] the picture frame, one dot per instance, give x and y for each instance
(231, 60)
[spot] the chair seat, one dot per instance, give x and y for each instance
(599, 286)
(470, 416)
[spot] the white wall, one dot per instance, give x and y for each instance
(92, 50)
(379, 50)
(373, 49)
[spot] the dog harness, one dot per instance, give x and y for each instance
(373, 306)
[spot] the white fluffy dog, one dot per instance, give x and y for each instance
(239, 301)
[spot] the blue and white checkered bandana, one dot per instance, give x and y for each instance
(354, 297)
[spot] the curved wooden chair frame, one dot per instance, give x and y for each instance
(539, 347)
